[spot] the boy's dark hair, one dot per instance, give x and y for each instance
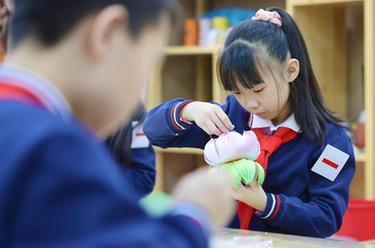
(243, 52)
(51, 20)
(120, 142)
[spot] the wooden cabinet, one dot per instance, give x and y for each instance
(340, 37)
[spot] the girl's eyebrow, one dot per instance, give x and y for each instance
(260, 85)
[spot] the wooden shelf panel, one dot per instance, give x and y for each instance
(253, 4)
(172, 166)
(360, 157)
(323, 2)
(369, 65)
(185, 50)
(180, 150)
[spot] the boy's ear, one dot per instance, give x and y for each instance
(104, 26)
(292, 70)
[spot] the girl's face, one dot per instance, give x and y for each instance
(270, 99)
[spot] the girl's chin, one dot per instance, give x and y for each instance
(263, 115)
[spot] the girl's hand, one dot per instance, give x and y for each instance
(252, 194)
(210, 117)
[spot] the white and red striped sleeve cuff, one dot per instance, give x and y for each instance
(272, 208)
(175, 116)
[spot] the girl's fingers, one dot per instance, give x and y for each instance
(213, 129)
(205, 128)
(220, 125)
(224, 119)
(260, 174)
(253, 185)
(234, 193)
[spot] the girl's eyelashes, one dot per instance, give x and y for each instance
(255, 91)
(258, 91)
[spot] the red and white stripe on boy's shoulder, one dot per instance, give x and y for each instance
(37, 86)
(175, 115)
(13, 92)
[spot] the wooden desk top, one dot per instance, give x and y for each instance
(228, 238)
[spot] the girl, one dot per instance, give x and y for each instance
(135, 153)
(307, 155)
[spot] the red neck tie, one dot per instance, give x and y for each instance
(268, 145)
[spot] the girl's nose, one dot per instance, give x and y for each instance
(252, 104)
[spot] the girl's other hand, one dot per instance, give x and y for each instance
(252, 194)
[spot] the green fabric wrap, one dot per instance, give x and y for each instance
(245, 171)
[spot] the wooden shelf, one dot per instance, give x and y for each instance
(344, 66)
(180, 150)
(360, 157)
(297, 3)
(185, 50)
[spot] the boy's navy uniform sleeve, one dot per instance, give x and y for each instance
(60, 189)
(141, 173)
(165, 128)
(321, 214)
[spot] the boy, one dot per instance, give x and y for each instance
(76, 69)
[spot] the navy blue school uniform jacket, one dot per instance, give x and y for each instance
(139, 168)
(307, 184)
(59, 186)
(141, 174)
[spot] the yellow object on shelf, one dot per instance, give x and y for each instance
(220, 23)
(220, 27)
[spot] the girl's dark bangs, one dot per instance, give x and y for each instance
(237, 64)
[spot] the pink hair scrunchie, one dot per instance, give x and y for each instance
(268, 16)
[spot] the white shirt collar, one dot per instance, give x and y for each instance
(46, 92)
(290, 122)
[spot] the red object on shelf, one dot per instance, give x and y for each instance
(191, 32)
(359, 221)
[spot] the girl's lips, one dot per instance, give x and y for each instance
(260, 114)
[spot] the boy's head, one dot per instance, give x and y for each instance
(98, 53)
